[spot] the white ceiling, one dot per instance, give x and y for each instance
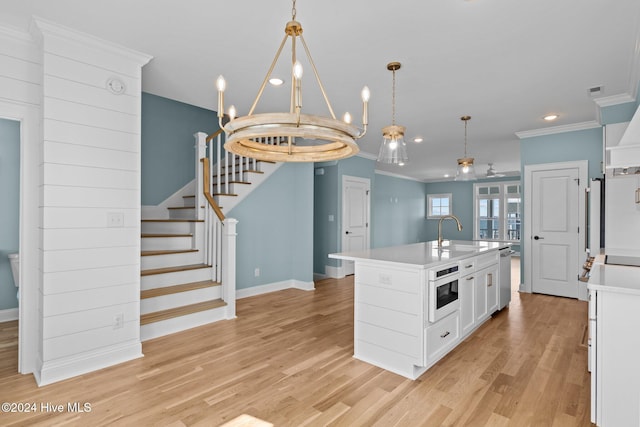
(506, 63)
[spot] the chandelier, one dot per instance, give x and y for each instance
(465, 170)
(393, 149)
(291, 136)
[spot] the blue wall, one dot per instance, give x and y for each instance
(564, 147)
(9, 208)
(168, 153)
(399, 206)
(326, 234)
(275, 228)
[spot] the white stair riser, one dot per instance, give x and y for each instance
(182, 213)
(166, 243)
(170, 260)
(164, 302)
(189, 201)
(169, 227)
(177, 324)
(175, 278)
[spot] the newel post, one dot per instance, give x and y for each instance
(201, 152)
(229, 265)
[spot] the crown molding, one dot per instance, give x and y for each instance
(16, 34)
(397, 175)
(592, 124)
(608, 101)
(366, 155)
(45, 27)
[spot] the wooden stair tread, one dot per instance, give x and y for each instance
(165, 235)
(158, 316)
(167, 252)
(181, 207)
(168, 290)
(225, 194)
(163, 270)
(233, 182)
(173, 220)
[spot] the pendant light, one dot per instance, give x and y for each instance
(291, 136)
(393, 149)
(465, 170)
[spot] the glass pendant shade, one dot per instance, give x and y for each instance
(393, 149)
(465, 170)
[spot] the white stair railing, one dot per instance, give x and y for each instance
(219, 240)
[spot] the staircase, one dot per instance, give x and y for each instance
(187, 264)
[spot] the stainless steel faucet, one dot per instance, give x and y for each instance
(442, 218)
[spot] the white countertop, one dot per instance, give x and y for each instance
(424, 254)
(614, 278)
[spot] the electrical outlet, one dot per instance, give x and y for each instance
(115, 219)
(256, 272)
(118, 321)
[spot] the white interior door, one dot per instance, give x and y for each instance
(355, 217)
(555, 231)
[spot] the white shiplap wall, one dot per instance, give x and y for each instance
(90, 171)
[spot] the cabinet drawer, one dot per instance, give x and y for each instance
(467, 266)
(442, 336)
(401, 280)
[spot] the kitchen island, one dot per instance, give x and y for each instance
(415, 303)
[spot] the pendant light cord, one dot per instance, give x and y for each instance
(293, 11)
(393, 100)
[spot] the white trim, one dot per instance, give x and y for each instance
(334, 272)
(525, 241)
(366, 155)
(429, 210)
(54, 29)
(592, 124)
(397, 175)
(343, 185)
(9, 314)
(68, 367)
(30, 143)
(274, 287)
(609, 101)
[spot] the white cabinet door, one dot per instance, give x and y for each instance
(491, 280)
(467, 304)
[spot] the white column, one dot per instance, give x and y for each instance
(229, 266)
(90, 203)
(201, 153)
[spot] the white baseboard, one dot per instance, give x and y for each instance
(318, 276)
(9, 314)
(67, 367)
(334, 272)
(274, 287)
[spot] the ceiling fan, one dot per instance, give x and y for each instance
(492, 173)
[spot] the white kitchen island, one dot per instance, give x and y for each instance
(414, 303)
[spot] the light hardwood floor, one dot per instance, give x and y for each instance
(287, 359)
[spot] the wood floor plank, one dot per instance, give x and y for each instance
(288, 359)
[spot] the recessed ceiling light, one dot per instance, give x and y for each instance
(276, 81)
(418, 139)
(446, 175)
(550, 117)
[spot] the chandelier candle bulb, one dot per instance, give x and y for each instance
(221, 84)
(232, 112)
(347, 117)
(366, 94)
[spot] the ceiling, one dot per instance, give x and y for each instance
(505, 63)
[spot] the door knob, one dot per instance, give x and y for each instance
(538, 238)
(346, 232)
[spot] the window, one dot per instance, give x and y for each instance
(438, 205)
(497, 211)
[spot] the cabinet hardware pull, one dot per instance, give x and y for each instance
(468, 266)
(445, 334)
(490, 279)
(470, 278)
